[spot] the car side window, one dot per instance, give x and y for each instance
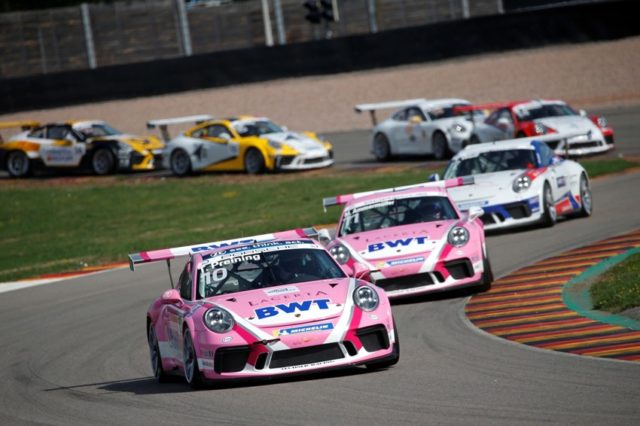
(38, 132)
(57, 132)
(493, 118)
(185, 283)
(415, 112)
(400, 115)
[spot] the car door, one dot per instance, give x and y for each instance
(220, 147)
(173, 314)
(63, 147)
(417, 128)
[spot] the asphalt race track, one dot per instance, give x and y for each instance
(75, 352)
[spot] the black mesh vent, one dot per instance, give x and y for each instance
(591, 144)
(285, 160)
(518, 211)
(261, 361)
(231, 360)
(350, 347)
(609, 139)
(136, 158)
(459, 269)
(315, 160)
(408, 281)
(373, 338)
(306, 355)
(487, 219)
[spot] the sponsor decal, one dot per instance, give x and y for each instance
(313, 364)
(226, 339)
(257, 247)
(303, 329)
(562, 181)
(215, 246)
(396, 243)
(371, 206)
(237, 259)
(281, 290)
(291, 308)
(287, 297)
(476, 203)
(406, 261)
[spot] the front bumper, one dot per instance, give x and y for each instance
(518, 213)
(303, 161)
(447, 275)
(581, 146)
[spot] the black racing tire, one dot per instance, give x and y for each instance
(192, 373)
(474, 140)
(549, 214)
(18, 164)
(154, 355)
(254, 162)
(440, 146)
(381, 147)
(586, 198)
(487, 275)
(103, 162)
(394, 357)
(180, 163)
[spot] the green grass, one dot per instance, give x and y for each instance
(602, 167)
(47, 228)
(54, 228)
(618, 289)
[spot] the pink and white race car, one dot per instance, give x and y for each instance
(411, 240)
(264, 306)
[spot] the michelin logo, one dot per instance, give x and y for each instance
(406, 261)
(305, 329)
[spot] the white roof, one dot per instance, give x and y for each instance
(505, 145)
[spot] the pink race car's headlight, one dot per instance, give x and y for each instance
(366, 298)
(458, 236)
(218, 320)
(340, 253)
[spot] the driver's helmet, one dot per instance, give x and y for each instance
(431, 210)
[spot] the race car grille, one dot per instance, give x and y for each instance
(136, 158)
(231, 359)
(285, 160)
(308, 355)
(459, 269)
(518, 211)
(373, 338)
(408, 281)
(589, 144)
(314, 160)
(487, 219)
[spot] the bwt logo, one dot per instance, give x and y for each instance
(215, 246)
(290, 308)
(397, 243)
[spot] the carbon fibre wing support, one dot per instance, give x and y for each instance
(164, 123)
(385, 105)
(172, 253)
(443, 184)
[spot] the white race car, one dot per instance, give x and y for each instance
(420, 126)
(520, 182)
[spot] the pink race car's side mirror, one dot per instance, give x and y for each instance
(359, 270)
(171, 297)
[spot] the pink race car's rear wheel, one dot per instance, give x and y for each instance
(154, 354)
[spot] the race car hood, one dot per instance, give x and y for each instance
(290, 304)
(298, 141)
(569, 124)
(399, 241)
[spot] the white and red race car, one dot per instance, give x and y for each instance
(411, 240)
(520, 182)
(265, 306)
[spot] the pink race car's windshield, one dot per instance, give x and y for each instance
(253, 270)
(492, 161)
(396, 212)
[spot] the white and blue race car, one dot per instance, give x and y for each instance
(520, 182)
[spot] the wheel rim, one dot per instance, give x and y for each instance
(549, 203)
(585, 194)
(154, 353)
(253, 162)
(189, 358)
(101, 162)
(380, 148)
(180, 162)
(17, 164)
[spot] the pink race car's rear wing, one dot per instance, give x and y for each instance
(172, 253)
(443, 184)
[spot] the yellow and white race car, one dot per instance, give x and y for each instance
(88, 145)
(245, 143)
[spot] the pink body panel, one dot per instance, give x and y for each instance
(271, 320)
(418, 250)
